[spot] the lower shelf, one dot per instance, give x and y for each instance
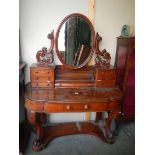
(51, 132)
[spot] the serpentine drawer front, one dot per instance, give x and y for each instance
(48, 107)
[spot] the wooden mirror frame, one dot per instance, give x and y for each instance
(92, 37)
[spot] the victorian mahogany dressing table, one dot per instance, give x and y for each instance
(73, 86)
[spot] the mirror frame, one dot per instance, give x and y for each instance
(92, 37)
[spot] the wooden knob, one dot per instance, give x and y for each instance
(86, 106)
(36, 72)
(68, 107)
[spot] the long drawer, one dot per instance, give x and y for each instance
(70, 107)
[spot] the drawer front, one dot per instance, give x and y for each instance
(41, 74)
(47, 84)
(105, 75)
(105, 78)
(42, 77)
(76, 107)
(36, 78)
(93, 107)
(100, 83)
(53, 107)
(71, 107)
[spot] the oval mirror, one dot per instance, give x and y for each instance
(74, 41)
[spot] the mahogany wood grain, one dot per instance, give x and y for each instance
(51, 132)
(88, 89)
(42, 76)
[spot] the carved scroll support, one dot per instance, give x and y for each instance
(45, 56)
(102, 58)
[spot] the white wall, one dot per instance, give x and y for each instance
(110, 16)
(39, 17)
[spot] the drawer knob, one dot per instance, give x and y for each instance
(86, 106)
(68, 107)
(36, 72)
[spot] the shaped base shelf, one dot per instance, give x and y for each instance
(51, 132)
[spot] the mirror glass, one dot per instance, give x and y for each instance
(75, 41)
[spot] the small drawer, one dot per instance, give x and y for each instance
(41, 74)
(42, 84)
(41, 79)
(105, 74)
(76, 107)
(101, 83)
(36, 71)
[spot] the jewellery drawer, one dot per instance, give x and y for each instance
(41, 73)
(46, 84)
(42, 78)
(105, 74)
(101, 83)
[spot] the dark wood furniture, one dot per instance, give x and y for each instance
(68, 88)
(24, 128)
(125, 64)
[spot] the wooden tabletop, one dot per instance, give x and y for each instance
(72, 95)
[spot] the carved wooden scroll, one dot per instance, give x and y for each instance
(102, 58)
(45, 56)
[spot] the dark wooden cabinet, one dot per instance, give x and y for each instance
(125, 64)
(24, 128)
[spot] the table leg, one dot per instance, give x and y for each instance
(38, 143)
(112, 114)
(37, 120)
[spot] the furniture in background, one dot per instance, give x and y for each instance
(69, 88)
(24, 127)
(125, 64)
